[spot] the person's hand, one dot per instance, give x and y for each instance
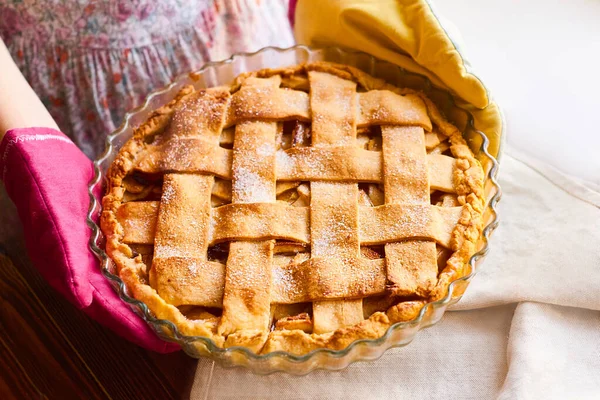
(47, 176)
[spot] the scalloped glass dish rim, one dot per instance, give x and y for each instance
(159, 325)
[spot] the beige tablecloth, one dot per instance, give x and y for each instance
(528, 327)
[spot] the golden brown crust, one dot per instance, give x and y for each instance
(468, 181)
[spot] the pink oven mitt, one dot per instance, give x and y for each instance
(46, 176)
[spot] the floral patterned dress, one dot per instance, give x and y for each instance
(91, 61)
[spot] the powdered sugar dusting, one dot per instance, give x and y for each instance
(168, 250)
(283, 160)
(332, 237)
(283, 280)
(265, 149)
(168, 194)
(249, 187)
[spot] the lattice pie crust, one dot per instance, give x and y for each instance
(300, 208)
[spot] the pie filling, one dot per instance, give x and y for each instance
(294, 133)
(298, 209)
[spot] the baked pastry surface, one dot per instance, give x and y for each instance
(297, 209)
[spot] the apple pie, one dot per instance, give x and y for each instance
(298, 208)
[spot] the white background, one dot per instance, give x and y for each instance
(541, 61)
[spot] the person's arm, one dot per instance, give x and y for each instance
(47, 177)
(19, 105)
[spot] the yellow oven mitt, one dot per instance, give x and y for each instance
(407, 33)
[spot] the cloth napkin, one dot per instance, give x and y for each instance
(528, 326)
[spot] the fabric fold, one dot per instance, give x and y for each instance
(547, 248)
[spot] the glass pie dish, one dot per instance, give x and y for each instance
(224, 72)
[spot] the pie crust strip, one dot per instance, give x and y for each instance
(377, 225)
(182, 225)
(247, 292)
(376, 107)
(332, 163)
(412, 264)
(334, 206)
